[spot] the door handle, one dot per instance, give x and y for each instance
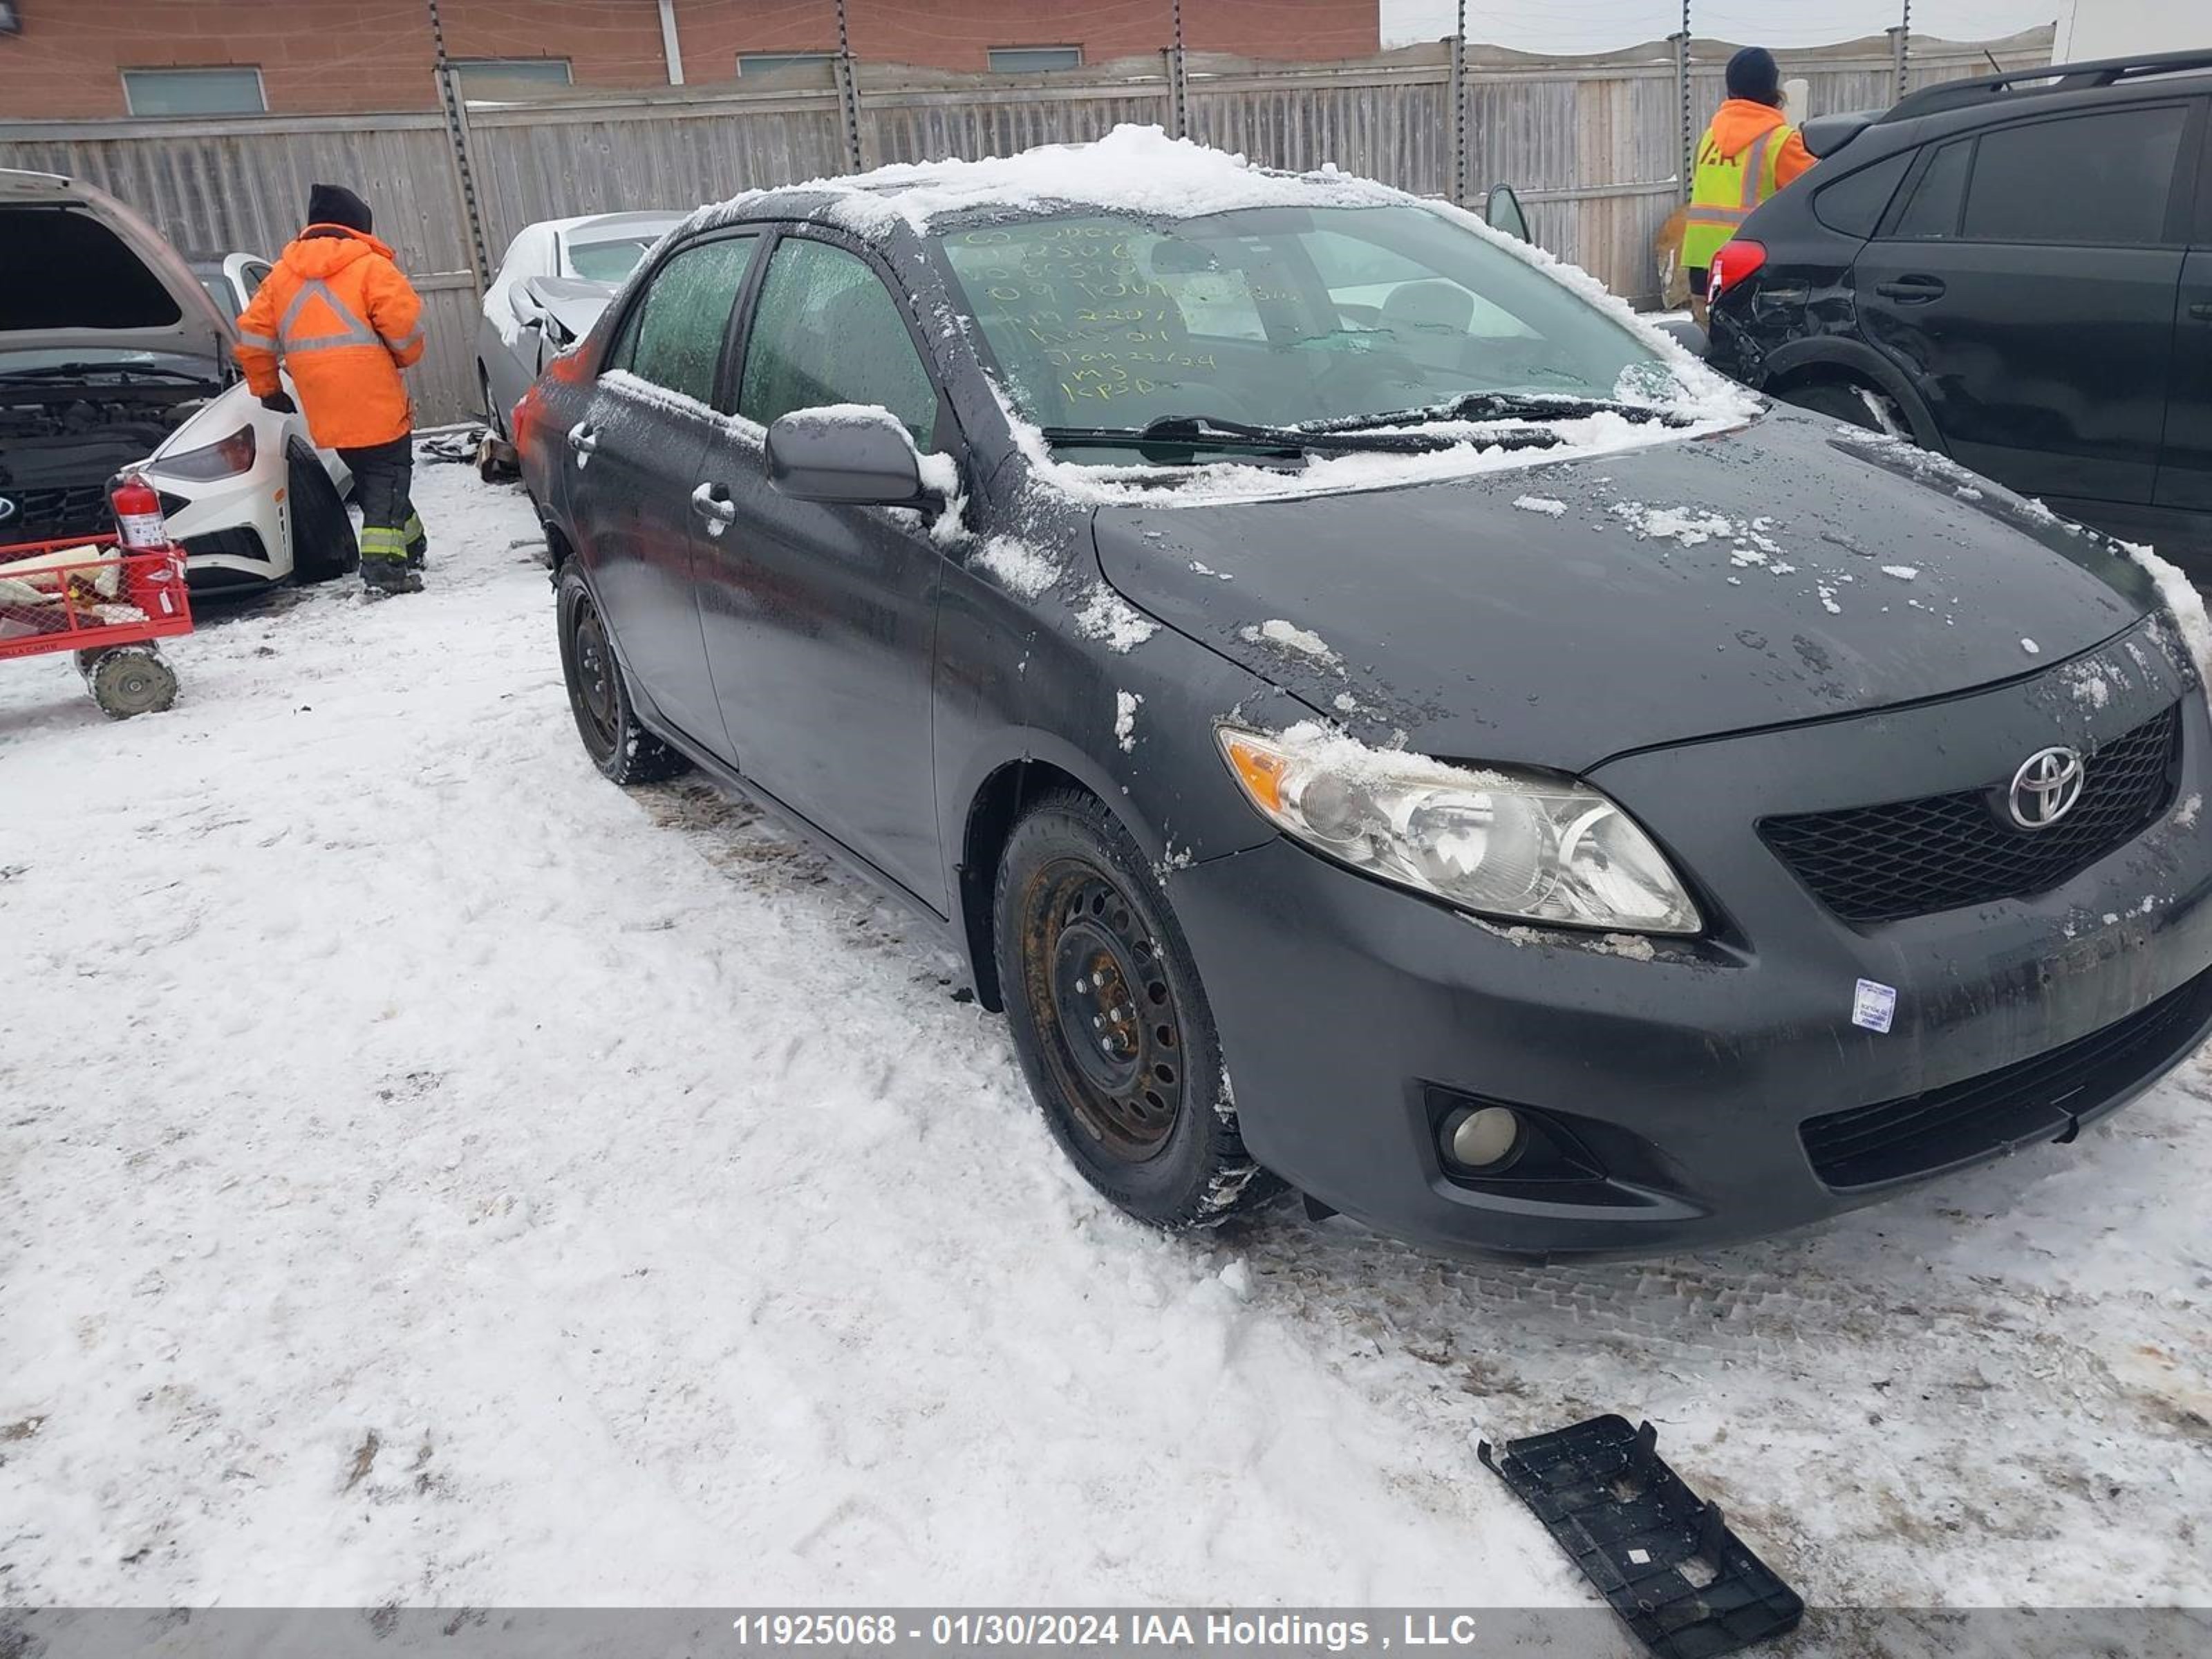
(712, 502)
(2201, 310)
(1911, 290)
(582, 439)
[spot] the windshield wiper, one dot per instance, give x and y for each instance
(1180, 437)
(1511, 406)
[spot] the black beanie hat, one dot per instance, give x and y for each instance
(334, 204)
(1753, 74)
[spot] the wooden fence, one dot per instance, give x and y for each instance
(1595, 146)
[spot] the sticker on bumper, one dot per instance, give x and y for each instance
(1874, 1005)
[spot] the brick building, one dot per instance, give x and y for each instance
(95, 58)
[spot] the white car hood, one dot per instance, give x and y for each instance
(199, 330)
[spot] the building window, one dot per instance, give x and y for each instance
(766, 62)
(1027, 60)
(194, 92)
(493, 78)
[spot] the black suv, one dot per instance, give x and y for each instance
(2017, 270)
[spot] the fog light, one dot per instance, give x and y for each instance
(1482, 1137)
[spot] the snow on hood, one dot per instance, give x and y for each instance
(1141, 170)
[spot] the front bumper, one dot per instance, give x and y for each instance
(1344, 1004)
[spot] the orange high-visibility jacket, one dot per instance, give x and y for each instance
(345, 322)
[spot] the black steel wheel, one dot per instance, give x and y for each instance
(1109, 1020)
(618, 744)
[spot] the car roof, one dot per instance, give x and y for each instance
(2006, 92)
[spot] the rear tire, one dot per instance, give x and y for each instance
(1849, 401)
(623, 749)
(1110, 1022)
(323, 545)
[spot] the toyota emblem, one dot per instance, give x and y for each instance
(2045, 788)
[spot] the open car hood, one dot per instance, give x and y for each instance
(1564, 614)
(79, 270)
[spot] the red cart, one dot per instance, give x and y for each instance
(109, 611)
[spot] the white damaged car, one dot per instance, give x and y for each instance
(113, 354)
(556, 279)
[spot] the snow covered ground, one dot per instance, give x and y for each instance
(428, 1173)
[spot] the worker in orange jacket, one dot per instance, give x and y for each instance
(344, 321)
(1749, 152)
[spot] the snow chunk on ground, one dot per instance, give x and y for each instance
(1107, 616)
(1903, 573)
(1016, 566)
(1287, 636)
(1205, 570)
(1125, 720)
(1550, 506)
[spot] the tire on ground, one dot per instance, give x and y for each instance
(598, 697)
(323, 544)
(1846, 401)
(131, 679)
(1074, 890)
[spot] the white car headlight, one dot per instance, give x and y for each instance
(226, 457)
(1499, 842)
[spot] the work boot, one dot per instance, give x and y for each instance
(384, 576)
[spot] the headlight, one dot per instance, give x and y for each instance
(224, 459)
(1502, 843)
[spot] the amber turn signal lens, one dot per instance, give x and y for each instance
(1260, 771)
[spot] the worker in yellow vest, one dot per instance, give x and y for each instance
(1747, 153)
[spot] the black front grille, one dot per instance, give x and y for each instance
(1912, 858)
(53, 514)
(2031, 1099)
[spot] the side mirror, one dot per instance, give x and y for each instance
(850, 455)
(1501, 210)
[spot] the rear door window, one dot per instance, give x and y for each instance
(673, 337)
(1931, 211)
(1854, 205)
(2101, 179)
(826, 330)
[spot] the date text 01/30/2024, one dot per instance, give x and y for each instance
(1107, 1630)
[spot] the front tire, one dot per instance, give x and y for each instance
(1110, 1022)
(623, 749)
(323, 545)
(498, 420)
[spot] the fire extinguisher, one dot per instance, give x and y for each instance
(151, 586)
(138, 514)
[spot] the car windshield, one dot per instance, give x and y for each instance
(609, 261)
(1275, 316)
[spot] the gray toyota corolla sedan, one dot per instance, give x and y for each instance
(1372, 716)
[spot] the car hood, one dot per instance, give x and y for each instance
(575, 302)
(1566, 613)
(129, 290)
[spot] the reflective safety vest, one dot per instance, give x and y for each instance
(1725, 188)
(344, 321)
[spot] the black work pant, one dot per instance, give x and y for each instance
(383, 474)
